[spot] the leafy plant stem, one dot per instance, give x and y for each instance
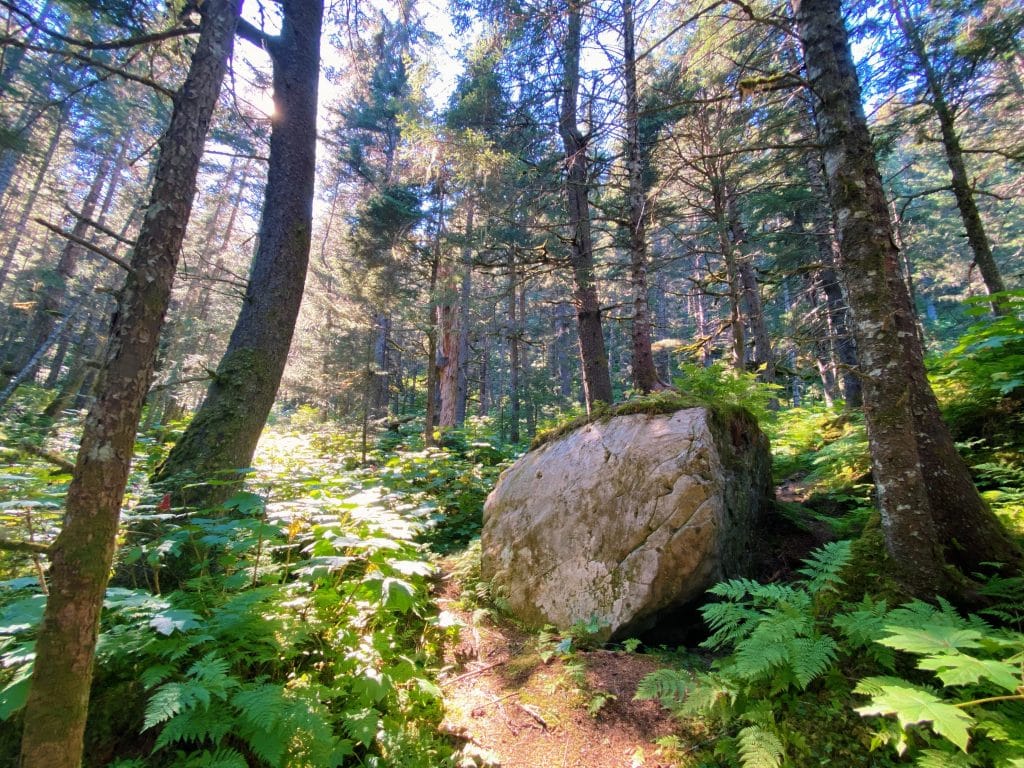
(990, 699)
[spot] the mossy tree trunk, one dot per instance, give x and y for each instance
(222, 437)
(81, 556)
(931, 512)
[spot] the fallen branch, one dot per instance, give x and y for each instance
(99, 227)
(474, 673)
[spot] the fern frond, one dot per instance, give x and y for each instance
(259, 705)
(156, 674)
(195, 726)
(222, 758)
(811, 658)
(822, 568)
(171, 699)
(734, 589)
(759, 748)
(668, 686)
(864, 625)
(936, 758)
(729, 623)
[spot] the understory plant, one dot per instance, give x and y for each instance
(942, 689)
(301, 635)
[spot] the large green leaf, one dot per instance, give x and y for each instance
(912, 704)
(961, 669)
(22, 615)
(930, 638)
(14, 696)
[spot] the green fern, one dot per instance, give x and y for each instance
(196, 727)
(935, 758)
(823, 567)
(668, 686)
(259, 705)
(759, 748)
(172, 699)
(221, 758)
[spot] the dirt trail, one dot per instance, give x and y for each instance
(517, 704)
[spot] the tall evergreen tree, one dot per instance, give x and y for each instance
(223, 435)
(81, 556)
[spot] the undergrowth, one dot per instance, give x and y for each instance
(793, 658)
(304, 633)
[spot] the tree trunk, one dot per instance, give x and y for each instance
(561, 365)
(432, 304)
(82, 554)
(597, 383)
(222, 437)
(645, 375)
(662, 362)
(513, 336)
(732, 276)
(449, 360)
(975, 228)
(764, 358)
(381, 363)
(465, 296)
(836, 306)
(922, 483)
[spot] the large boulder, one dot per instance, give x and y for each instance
(626, 519)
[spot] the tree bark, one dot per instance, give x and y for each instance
(513, 337)
(465, 296)
(763, 361)
(432, 304)
(645, 375)
(732, 275)
(597, 383)
(222, 437)
(82, 554)
(931, 512)
(380, 400)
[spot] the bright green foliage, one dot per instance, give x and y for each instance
(979, 710)
(829, 449)
(772, 627)
(988, 360)
(722, 385)
(788, 653)
(303, 636)
(759, 747)
(778, 648)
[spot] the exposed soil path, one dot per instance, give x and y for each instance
(515, 703)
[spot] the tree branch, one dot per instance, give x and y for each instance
(85, 244)
(108, 45)
(27, 547)
(45, 455)
(253, 34)
(99, 227)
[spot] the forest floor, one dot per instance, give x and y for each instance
(516, 703)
